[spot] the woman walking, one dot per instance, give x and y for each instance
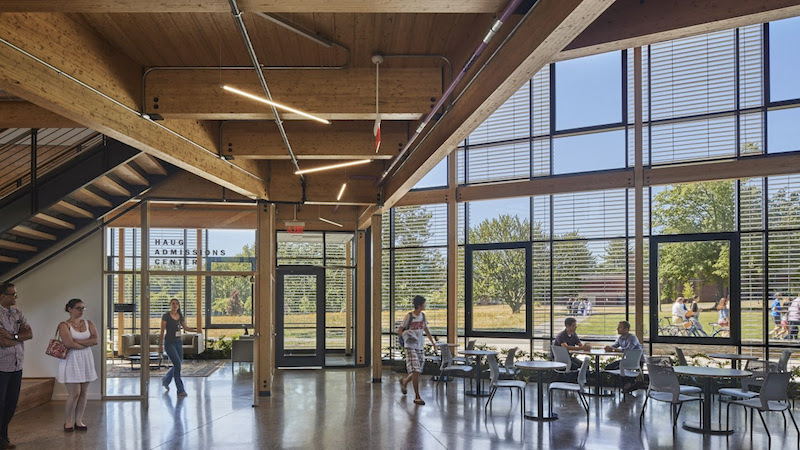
(77, 370)
(412, 329)
(172, 322)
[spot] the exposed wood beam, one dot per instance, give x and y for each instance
(339, 140)
(550, 27)
(67, 45)
(27, 115)
(753, 166)
(284, 185)
(749, 167)
(30, 233)
(347, 94)
(222, 6)
(8, 259)
(633, 23)
(50, 221)
(184, 185)
(72, 210)
(16, 246)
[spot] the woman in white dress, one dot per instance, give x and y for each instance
(77, 370)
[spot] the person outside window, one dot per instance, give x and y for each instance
(794, 317)
(570, 340)
(775, 312)
(678, 311)
(413, 329)
(724, 315)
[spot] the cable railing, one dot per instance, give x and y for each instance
(54, 147)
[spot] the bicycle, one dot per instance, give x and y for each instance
(719, 331)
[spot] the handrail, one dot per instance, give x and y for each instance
(44, 165)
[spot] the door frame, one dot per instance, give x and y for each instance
(281, 359)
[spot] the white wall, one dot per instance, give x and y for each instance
(43, 293)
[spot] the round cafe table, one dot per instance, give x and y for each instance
(707, 373)
(478, 354)
(539, 367)
(598, 389)
(736, 358)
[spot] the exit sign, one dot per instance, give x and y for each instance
(296, 229)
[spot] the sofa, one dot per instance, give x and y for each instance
(193, 344)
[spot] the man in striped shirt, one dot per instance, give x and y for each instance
(14, 329)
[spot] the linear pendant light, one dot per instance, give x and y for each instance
(341, 192)
(331, 222)
(275, 104)
(333, 166)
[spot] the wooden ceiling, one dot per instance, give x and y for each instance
(212, 39)
(105, 46)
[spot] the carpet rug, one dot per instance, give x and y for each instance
(190, 368)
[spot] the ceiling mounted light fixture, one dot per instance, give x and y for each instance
(275, 104)
(331, 222)
(333, 166)
(341, 192)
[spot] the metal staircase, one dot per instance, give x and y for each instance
(55, 182)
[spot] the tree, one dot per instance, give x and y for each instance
(419, 269)
(694, 208)
(499, 275)
(222, 287)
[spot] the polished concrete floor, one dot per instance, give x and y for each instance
(340, 408)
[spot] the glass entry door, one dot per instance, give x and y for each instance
(300, 323)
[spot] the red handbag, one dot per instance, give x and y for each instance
(56, 348)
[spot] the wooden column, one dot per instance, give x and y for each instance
(121, 288)
(638, 186)
(264, 306)
(452, 250)
(199, 300)
(348, 301)
(377, 364)
(361, 297)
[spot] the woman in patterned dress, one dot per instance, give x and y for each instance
(77, 370)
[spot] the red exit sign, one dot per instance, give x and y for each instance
(295, 229)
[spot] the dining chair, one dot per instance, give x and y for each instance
(664, 387)
(629, 367)
(579, 387)
(783, 362)
(561, 354)
(509, 370)
(447, 366)
(749, 387)
(465, 359)
(495, 382)
(666, 361)
(681, 357)
(773, 397)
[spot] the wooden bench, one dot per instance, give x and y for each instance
(35, 392)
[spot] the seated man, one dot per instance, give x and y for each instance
(569, 339)
(625, 341)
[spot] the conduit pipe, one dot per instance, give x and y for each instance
(493, 29)
(237, 15)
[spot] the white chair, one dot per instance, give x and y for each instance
(756, 380)
(447, 366)
(629, 367)
(783, 362)
(578, 387)
(495, 382)
(509, 370)
(465, 359)
(773, 397)
(664, 387)
(666, 361)
(561, 354)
